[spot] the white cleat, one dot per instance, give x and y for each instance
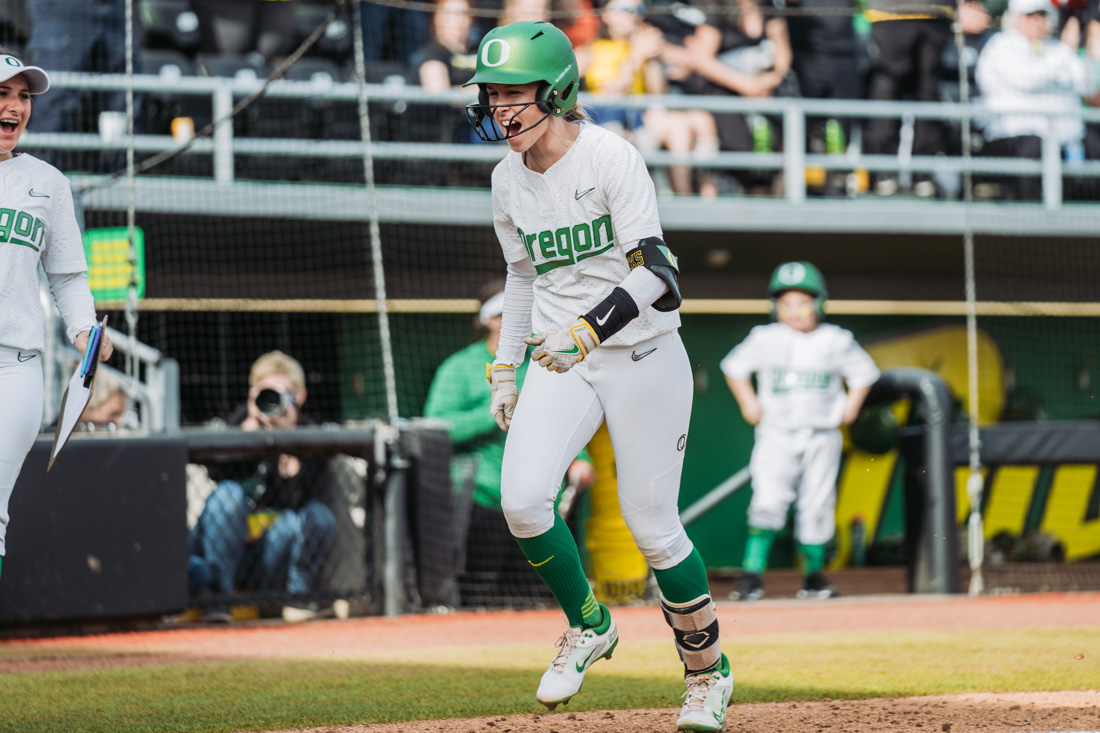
(705, 701)
(577, 651)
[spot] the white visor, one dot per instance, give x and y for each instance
(37, 79)
(494, 306)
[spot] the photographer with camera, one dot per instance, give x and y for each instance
(264, 527)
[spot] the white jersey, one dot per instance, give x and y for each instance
(575, 223)
(37, 225)
(799, 375)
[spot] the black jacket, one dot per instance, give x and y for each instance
(261, 480)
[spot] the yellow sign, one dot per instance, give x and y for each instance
(109, 269)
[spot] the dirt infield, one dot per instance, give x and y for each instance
(987, 713)
(363, 637)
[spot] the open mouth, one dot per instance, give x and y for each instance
(9, 126)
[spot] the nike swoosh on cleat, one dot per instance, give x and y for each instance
(638, 357)
(37, 195)
(581, 666)
(607, 315)
(578, 195)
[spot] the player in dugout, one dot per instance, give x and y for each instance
(587, 271)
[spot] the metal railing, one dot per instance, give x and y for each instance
(155, 393)
(223, 146)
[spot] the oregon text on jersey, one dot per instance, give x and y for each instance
(19, 227)
(784, 380)
(568, 245)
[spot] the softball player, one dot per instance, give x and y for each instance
(801, 367)
(576, 214)
(37, 227)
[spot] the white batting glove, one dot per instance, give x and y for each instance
(502, 380)
(560, 351)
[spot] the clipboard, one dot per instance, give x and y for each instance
(78, 393)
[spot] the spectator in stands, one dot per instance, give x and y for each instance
(264, 527)
(447, 62)
(459, 394)
(574, 17)
(745, 53)
(909, 37)
(1024, 74)
(393, 34)
(826, 64)
(15, 25)
(87, 36)
(108, 405)
(624, 59)
(241, 27)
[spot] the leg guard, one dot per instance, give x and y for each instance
(695, 625)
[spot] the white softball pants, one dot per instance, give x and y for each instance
(21, 391)
(644, 393)
(799, 467)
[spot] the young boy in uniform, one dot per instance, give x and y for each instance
(812, 378)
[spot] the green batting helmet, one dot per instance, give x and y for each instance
(799, 276)
(521, 53)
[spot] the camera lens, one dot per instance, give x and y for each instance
(270, 402)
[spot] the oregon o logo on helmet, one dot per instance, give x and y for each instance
(505, 52)
(791, 273)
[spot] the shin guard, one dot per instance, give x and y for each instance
(695, 625)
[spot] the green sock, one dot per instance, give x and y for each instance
(554, 556)
(814, 557)
(684, 582)
(757, 548)
(1, 562)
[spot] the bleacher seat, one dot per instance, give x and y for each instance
(169, 24)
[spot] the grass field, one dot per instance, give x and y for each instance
(155, 691)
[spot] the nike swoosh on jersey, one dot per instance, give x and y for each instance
(578, 195)
(607, 315)
(28, 357)
(638, 357)
(37, 195)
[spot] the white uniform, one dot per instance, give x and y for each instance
(573, 226)
(575, 223)
(37, 226)
(796, 455)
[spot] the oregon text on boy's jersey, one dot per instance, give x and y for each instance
(800, 376)
(37, 224)
(575, 223)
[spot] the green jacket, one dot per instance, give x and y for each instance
(460, 395)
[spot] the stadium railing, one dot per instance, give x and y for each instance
(792, 160)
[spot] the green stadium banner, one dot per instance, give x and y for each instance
(108, 253)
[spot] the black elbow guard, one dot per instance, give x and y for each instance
(612, 313)
(653, 255)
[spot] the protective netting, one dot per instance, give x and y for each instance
(265, 232)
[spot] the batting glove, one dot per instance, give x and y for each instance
(560, 351)
(502, 380)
